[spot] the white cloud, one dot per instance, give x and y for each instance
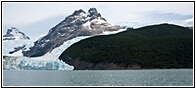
(189, 20)
(31, 12)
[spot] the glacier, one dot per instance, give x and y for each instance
(49, 61)
(25, 63)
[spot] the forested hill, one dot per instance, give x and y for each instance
(156, 46)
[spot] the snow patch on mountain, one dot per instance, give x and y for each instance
(95, 21)
(112, 32)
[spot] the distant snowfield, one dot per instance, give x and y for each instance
(135, 25)
(9, 45)
(49, 61)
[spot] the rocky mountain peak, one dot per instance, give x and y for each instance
(92, 11)
(77, 24)
(93, 14)
(14, 33)
(78, 12)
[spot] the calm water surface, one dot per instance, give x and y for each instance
(162, 77)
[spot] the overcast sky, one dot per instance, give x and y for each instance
(26, 13)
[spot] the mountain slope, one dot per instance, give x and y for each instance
(77, 24)
(156, 46)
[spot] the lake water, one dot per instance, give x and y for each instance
(162, 77)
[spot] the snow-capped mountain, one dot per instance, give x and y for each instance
(14, 42)
(14, 34)
(80, 23)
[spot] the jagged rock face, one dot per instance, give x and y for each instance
(17, 49)
(14, 34)
(79, 23)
